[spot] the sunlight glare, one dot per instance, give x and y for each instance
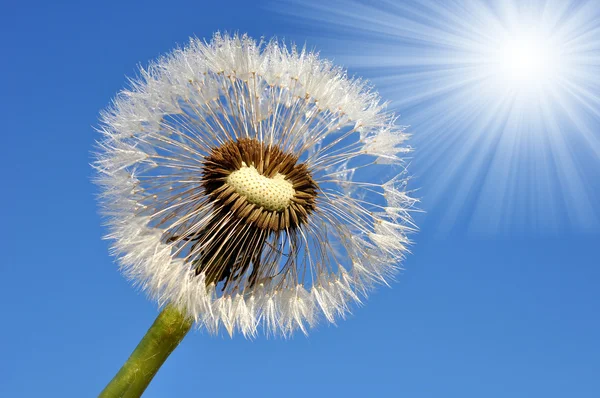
(526, 61)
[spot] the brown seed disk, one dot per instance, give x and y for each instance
(236, 246)
(269, 161)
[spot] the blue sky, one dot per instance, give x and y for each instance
(499, 296)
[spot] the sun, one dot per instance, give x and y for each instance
(524, 61)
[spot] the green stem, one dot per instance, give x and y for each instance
(165, 334)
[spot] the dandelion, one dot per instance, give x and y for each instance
(253, 185)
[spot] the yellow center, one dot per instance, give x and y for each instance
(271, 193)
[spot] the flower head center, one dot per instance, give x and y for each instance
(259, 185)
(273, 193)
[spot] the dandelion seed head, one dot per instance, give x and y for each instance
(253, 184)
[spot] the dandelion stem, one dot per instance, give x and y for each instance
(165, 334)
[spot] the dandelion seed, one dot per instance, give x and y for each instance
(242, 183)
